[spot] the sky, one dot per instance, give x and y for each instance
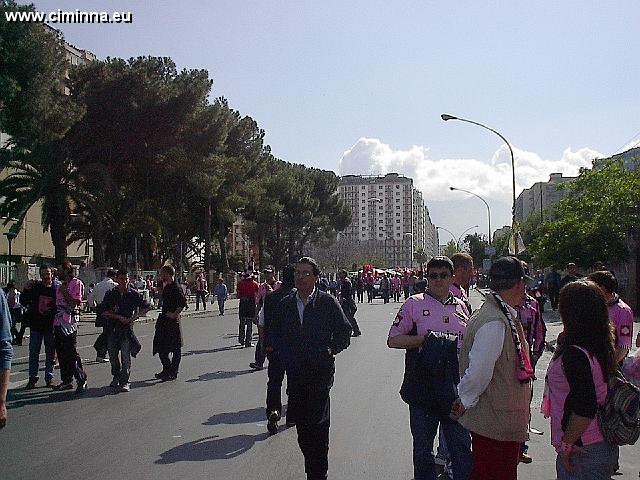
(358, 87)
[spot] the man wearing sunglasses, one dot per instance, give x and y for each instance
(437, 311)
(308, 329)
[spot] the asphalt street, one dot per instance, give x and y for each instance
(210, 423)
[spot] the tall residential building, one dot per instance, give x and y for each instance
(389, 220)
(539, 197)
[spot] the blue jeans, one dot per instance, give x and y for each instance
(424, 426)
(120, 347)
(35, 343)
(596, 463)
(221, 305)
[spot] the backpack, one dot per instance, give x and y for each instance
(619, 417)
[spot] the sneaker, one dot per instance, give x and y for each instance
(525, 458)
(272, 422)
(51, 383)
(126, 387)
(256, 366)
(63, 386)
(100, 359)
(115, 383)
(82, 387)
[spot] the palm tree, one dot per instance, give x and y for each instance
(43, 175)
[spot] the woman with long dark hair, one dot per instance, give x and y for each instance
(576, 383)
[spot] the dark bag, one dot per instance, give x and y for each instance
(619, 417)
(100, 320)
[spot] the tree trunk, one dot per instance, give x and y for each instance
(59, 239)
(222, 235)
(207, 238)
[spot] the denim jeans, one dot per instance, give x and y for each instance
(424, 426)
(35, 343)
(221, 305)
(119, 344)
(596, 463)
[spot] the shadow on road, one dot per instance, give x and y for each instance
(21, 398)
(210, 448)
(232, 418)
(220, 375)
(213, 350)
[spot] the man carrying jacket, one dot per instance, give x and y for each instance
(437, 310)
(308, 330)
(496, 375)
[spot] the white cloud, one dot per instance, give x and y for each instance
(492, 179)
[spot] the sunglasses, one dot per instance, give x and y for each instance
(441, 276)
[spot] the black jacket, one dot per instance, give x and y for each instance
(271, 301)
(432, 373)
(307, 348)
(40, 304)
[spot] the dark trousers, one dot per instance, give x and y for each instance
(245, 330)
(102, 343)
(554, 294)
(16, 317)
(314, 443)
(385, 295)
(259, 355)
(309, 403)
(68, 358)
(494, 459)
(354, 324)
(275, 375)
(171, 366)
(201, 295)
(360, 296)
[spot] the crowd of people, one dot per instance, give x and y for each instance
(468, 375)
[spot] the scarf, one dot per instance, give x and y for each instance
(524, 370)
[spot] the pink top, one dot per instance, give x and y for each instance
(67, 315)
(429, 314)
(621, 316)
(558, 392)
(395, 283)
(266, 288)
(533, 324)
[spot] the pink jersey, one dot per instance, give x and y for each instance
(459, 292)
(395, 283)
(264, 289)
(621, 317)
(533, 325)
(421, 314)
(68, 315)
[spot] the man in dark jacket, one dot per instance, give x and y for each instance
(275, 371)
(168, 336)
(39, 299)
(122, 306)
(347, 302)
(309, 329)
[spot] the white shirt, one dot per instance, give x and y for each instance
(101, 289)
(261, 317)
(486, 348)
(302, 305)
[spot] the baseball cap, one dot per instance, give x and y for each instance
(508, 268)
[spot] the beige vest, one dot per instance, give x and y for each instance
(502, 412)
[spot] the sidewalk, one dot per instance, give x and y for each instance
(230, 305)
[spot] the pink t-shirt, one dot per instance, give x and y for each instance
(460, 294)
(67, 315)
(621, 316)
(266, 288)
(558, 390)
(430, 315)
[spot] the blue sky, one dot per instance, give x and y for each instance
(359, 86)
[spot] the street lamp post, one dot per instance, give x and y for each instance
(456, 239)
(447, 117)
(484, 201)
(462, 234)
(10, 237)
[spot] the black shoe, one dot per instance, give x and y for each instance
(356, 334)
(525, 458)
(290, 422)
(272, 422)
(31, 384)
(162, 374)
(82, 386)
(256, 366)
(169, 377)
